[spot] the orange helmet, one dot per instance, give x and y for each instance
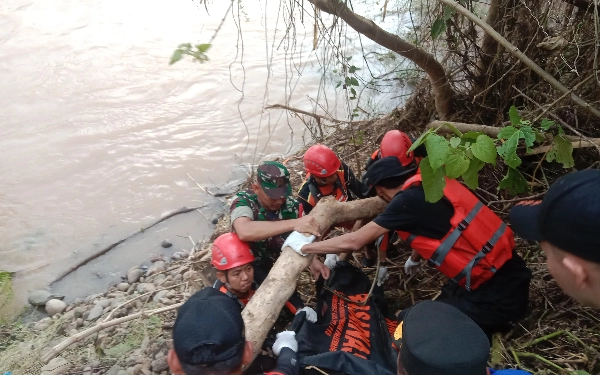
(321, 161)
(396, 143)
(229, 251)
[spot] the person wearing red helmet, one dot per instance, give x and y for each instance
(232, 259)
(326, 175)
(397, 143)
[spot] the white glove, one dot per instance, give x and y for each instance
(311, 315)
(285, 339)
(296, 240)
(411, 267)
(331, 260)
(382, 275)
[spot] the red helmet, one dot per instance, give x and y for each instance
(321, 161)
(396, 143)
(229, 251)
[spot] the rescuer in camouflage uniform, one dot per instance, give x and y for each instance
(266, 214)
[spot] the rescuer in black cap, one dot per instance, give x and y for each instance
(567, 225)
(437, 339)
(209, 339)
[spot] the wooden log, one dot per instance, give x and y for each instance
(264, 307)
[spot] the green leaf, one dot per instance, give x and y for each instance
(579, 372)
(561, 151)
(471, 175)
(177, 55)
(438, 28)
(507, 132)
(420, 140)
(471, 135)
(508, 151)
(353, 91)
(437, 150)
(453, 128)
(338, 84)
(547, 124)
(454, 142)
(448, 12)
(353, 81)
(515, 119)
(187, 46)
(203, 47)
(433, 181)
(539, 137)
(353, 69)
(514, 182)
(457, 163)
(528, 134)
(484, 149)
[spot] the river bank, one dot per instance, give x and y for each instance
(127, 329)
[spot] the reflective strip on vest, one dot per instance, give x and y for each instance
(440, 253)
(466, 272)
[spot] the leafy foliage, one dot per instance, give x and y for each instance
(464, 155)
(197, 52)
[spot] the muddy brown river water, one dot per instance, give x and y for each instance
(97, 131)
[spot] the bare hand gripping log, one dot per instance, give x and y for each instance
(264, 307)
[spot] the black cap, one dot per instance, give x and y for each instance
(385, 168)
(208, 329)
(436, 338)
(568, 217)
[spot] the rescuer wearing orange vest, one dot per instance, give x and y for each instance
(394, 143)
(232, 258)
(461, 237)
(326, 175)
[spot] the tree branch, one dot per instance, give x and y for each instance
(521, 56)
(442, 91)
(264, 307)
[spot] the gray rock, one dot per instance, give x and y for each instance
(145, 288)
(177, 278)
(55, 306)
(103, 302)
(131, 361)
(157, 267)
(166, 284)
(158, 296)
(134, 275)
(92, 297)
(79, 322)
(57, 366)
(123, 287)
(94, 364)
(130, 370)
(159, 279)
(114, 370)
(160, 364)
(179, 255)
(40, 297)
(166, 244)
(122, 372)
(42, 324)
(95, 313)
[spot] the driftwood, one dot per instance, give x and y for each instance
(264, 307)
(85, 261)
(492, 131)
(99, 327)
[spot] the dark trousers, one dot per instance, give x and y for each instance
(496, 304)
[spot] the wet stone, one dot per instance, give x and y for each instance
(95, 313)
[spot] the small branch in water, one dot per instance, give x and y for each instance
(85, 261)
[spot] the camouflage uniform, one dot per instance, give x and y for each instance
(274, 179)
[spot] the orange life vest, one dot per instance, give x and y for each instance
(244, 301)
(338, 189)
(477, 244)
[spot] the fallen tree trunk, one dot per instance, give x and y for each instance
(264, 307)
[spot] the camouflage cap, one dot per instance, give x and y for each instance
(274, 178)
